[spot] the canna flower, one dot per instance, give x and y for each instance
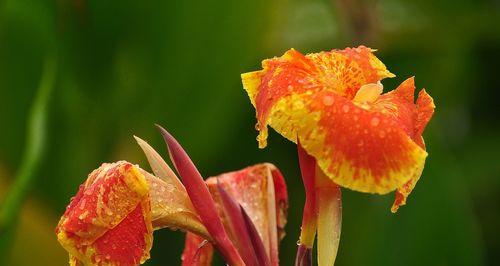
(112, 218)
(348, 132)
(109, 219)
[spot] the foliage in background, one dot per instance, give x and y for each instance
(125, 65)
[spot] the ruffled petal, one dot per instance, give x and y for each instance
(342, 72)
(369, 146)
(424, 111)
(109, 220)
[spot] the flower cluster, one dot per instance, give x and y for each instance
(348, 133)
(111, 219)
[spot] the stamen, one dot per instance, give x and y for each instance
(368, 93)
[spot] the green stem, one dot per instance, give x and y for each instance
(35, 142)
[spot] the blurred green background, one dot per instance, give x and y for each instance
(111, 69)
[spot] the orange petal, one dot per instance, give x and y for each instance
(342, 72)
(260, 190)
(197, 251)
(109, 220)
(424, 111)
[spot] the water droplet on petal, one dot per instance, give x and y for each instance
(257, 126)
(328, 100)
(345, 108)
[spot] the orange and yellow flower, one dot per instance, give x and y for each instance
(332, 104)
(109, 219)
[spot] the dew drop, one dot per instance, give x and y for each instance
(82, 204)
(328, 100)
(375, 121)
(345, 108)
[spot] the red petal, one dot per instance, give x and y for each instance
(238, 227)
(304, 256)
(260, 251)
(309, 215)
(281, 199)
(250, 188)
(201, 198)
(128, 243)
(110, 209)
(197, 251)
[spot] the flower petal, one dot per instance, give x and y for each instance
(201, 198)
(159, 166)
(238, 229)
(362, 149)
(260, 251)
(309, 216)
(251, 188)
(171, 207)
(342, 72)
(109, 220)
(197, 251)
(425, 110)
(329, 208)
(170, 203)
